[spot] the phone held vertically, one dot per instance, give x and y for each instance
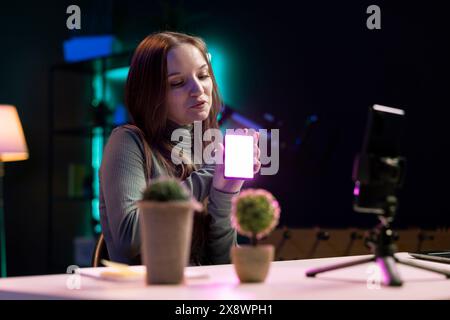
(238, 156)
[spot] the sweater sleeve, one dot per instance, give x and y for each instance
(122, 180)
(199, 182)
(221, 236)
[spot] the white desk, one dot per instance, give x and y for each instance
(286, 280)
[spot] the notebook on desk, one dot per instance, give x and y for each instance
(135, 273)
(437, 256)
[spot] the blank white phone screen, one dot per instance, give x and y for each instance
(238, 156)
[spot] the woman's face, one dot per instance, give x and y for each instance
(190, 86)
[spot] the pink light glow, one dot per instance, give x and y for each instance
(356, 189)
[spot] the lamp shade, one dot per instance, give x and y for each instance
(12, 140)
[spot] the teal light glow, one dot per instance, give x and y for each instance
(97, 147)
(100, 92)
(218, 62)
(119, 74)
(95, 210)
(97, 153)
(98, 228)
(97, 88)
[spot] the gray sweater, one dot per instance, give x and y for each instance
(122, 180)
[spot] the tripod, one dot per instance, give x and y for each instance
(384, 249)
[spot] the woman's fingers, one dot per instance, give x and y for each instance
(256, 151)
(219, 150)
(256, 166)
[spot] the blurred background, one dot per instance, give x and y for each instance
(311, 70)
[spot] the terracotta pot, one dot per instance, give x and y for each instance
(252, 263)
(166, 231)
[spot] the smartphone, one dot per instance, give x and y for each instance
(384, 131)
(379, 169)
(238, 156)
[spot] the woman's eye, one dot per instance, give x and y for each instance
(180, 83)
(176, 84)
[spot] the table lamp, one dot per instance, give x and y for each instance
(12, 148)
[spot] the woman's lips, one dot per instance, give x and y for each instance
(199, 105)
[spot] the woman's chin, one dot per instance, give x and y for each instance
(200, 115)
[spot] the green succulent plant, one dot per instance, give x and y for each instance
(255, 213)
(166, 189)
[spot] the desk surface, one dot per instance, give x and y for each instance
(286, 280)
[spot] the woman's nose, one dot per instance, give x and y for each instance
(196, 88)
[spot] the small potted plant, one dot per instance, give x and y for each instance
(166, 221)
(255, 213)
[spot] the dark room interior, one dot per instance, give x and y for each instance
(311, 69)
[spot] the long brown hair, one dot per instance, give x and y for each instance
(145, 99)
(146, 90)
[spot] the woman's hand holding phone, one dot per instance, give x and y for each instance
(234, 185)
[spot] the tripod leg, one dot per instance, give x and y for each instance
(314, 272)
(389, 270)
(416, 265)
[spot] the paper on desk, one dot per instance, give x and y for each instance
(135, 273)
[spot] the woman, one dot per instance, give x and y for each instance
(170, 85)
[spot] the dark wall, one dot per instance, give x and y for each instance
(291, 61)
(32, 36)
(30, 45)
